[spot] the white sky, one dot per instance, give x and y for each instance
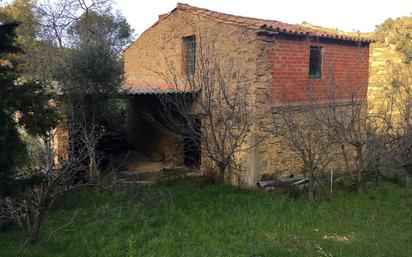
(347, 15)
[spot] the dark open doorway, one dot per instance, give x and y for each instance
(191, 144)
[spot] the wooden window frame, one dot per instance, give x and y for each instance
(321, 53)
(186, 69)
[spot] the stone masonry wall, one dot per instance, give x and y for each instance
(277, 156)
(158, 51)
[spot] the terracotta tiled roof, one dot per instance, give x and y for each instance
(133, 90)
(265, 26)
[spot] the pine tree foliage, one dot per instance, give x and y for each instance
(24, 105)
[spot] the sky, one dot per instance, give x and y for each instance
(346, 15)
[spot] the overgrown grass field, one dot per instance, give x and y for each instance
(181, 219)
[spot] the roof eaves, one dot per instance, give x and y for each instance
(130, 91)
(269, 30)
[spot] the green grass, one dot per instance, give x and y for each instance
(179, 219)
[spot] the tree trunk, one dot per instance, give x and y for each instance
(311, 189)
(345, 157)
(377, 176)
(48, 151)
(92, 164)
(360, 161)
(34, 233)
(91, 152)
(408, 181)
(408, 177)
(331, 184)
(221, 174)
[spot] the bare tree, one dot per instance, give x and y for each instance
(399, 115)
(360, 134)
(58, 16)
(29, 209)
(210, 106)
(302, 128)
(320, 126)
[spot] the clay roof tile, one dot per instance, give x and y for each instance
(263, 24)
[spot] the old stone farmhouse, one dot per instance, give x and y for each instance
(280, 60)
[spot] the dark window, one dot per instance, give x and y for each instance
(189, 54)
(315, 62)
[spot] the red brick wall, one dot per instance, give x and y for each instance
(344, 71)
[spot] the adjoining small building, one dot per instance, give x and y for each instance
(279, 59)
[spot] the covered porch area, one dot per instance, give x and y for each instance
(157, 146)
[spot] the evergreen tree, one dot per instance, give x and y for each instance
(24, 105)
(90, 79)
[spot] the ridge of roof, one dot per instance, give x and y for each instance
(265, 26)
